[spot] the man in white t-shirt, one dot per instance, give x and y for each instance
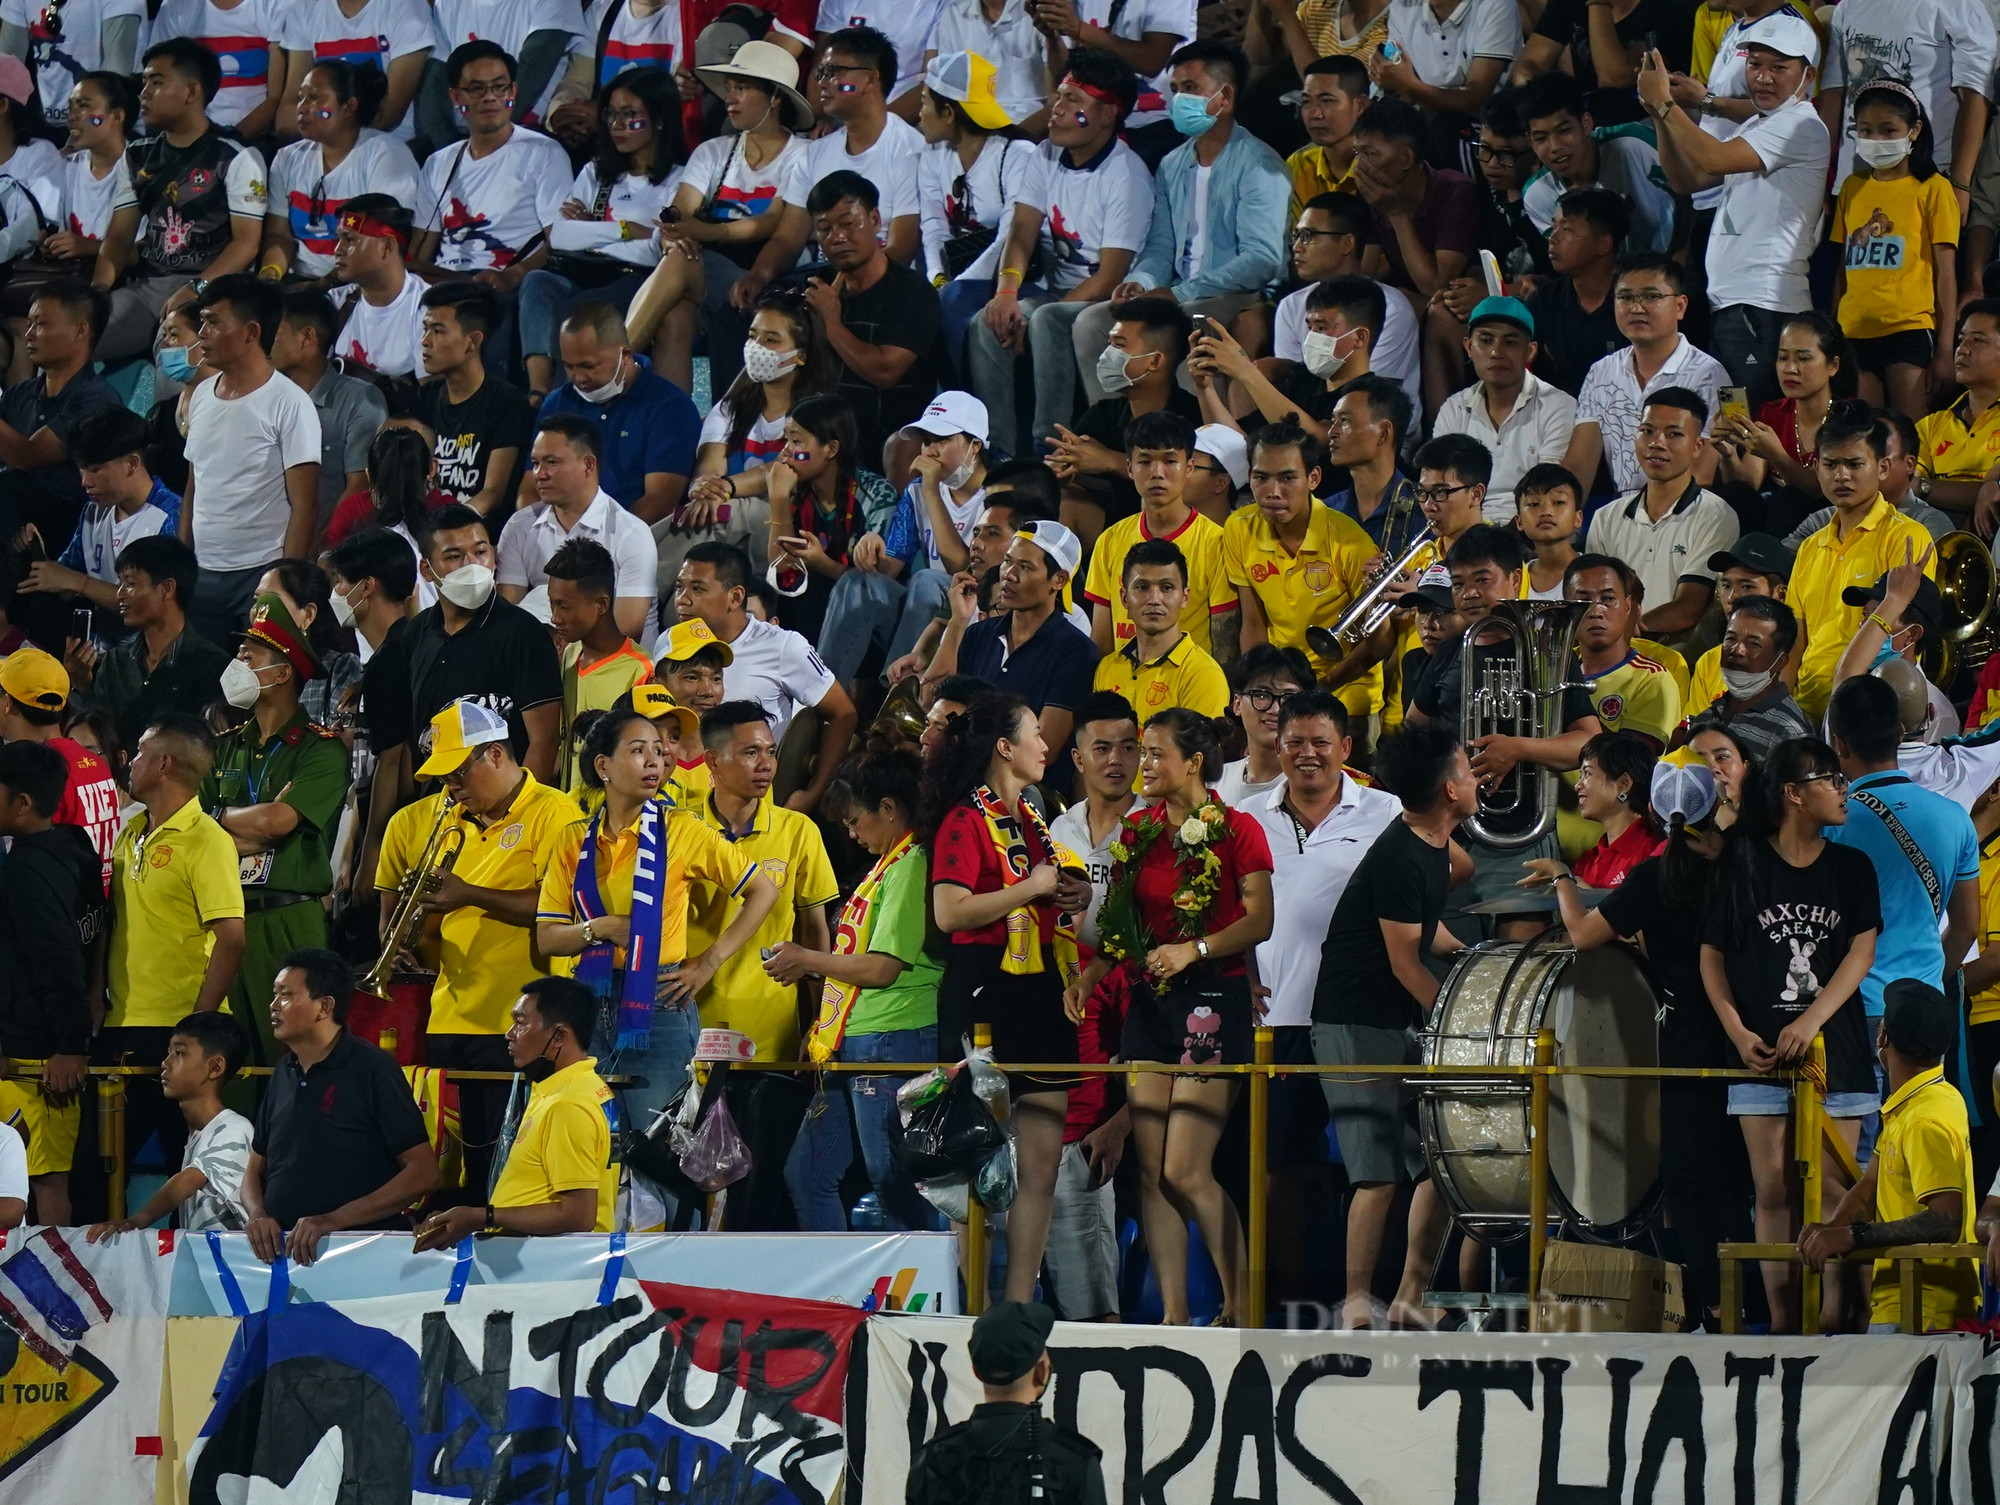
(1773, 178)
(908, 27)
(1018, 49)
(253, 457)
(384, 328)
(563, 465)
(550, 43)
(1575, 154)
(768, 664)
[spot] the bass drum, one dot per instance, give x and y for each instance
(1604, 1132)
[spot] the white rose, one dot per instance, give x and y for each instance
(1192, 831)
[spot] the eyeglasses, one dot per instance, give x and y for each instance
(1837, 781)
(1303, 236)
(628, 122)
(1437, 496)
(1497, 155)
(826, 73)
(1648, 298)
(1262, 699)
(487, 91)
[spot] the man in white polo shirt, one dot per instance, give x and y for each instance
(776, 668)
(564, 465)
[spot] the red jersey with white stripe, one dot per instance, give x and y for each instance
(90, 801)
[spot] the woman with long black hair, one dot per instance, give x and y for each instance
(994, 883)
(338, 156)
(821, 501)
(1787, 936)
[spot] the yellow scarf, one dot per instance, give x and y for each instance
(1022, 955)
(857, 926)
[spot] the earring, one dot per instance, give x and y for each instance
(1624, 798)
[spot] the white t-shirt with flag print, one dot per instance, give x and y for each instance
(718, 169)
(1107, 205)
(511, 23)
(379, 33)
(1134, 18)
(636, 41)
(486, 209)
(760, 446)
(389, 339)
(86, 198)
(634, 197)
(890, 164)
(241, 38)
(308, 198)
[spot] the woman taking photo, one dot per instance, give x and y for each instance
(786, 360)
(879, 1002)
(1775, 454)
(820, 503)
(585, 910)
(1787, 936)
(1189, 899)
(604, 245)
(338, 156)
(994, 882)
(967, 180)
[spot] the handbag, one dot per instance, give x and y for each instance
(967, 245)
(952, 1133)
(588, 270)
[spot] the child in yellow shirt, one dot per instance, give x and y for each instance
(1898, 218)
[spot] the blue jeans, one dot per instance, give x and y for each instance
(865, 609)
(959, 303)
(822, 1152)
(547, 296)
(663, 1063)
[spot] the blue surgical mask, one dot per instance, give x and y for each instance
(175, 364)
(1189, 113)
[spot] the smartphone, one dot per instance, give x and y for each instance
(79, 624)
(1391, 52)
(1736, 403)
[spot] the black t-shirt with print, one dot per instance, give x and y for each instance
(1690, 1032)
(497, 416)
(1784, 936)
(1402, 879)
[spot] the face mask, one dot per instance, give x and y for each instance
(1746, 686)
(1322, 353)
(240, 684)
(343, 610)
(957, 478)
(175, 365)
(467, 587)
(761, 363)
(1882, 153)
(609, 390)
(1111, 372)
(541, 1068)
(1189, 113)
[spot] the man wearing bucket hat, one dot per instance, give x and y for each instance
(277, 786)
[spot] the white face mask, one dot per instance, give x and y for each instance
(467, 587)
(956, 479)
(1111, 373)
(1882, 153)
(611, 389)
(1745, 685)
(240, 684)
(1322, 353)
(761, 363)
(343, 610)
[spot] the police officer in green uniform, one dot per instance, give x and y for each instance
(277, 787)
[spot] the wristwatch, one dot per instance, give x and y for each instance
(1663, 108)
(1860, 1231)
(1201, 947)
(1708, 103)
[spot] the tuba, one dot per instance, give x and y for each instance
(901, 719)
(447, 840)
(1523, 699)
(1966, 579)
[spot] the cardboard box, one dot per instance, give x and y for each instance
(1587, 1288)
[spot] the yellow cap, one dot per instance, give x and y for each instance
(35, 678)
(686, 639)
(653, 702)
(458, 731)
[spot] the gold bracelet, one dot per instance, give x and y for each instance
(1875, 617)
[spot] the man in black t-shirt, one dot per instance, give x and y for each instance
(1375, 989)
(483, 425)
(881, 318)
(1576, 318)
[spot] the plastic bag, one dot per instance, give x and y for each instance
(950, 1195)
(997, 1180)
(953, 1132)
(919, 1090)
(717, 1156)
(990, 1082)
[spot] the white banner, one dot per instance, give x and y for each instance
(82, 1332)
(1198, 1415)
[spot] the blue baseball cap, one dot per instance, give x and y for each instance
(1507, 310)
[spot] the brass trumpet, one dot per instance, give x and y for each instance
(440, 855)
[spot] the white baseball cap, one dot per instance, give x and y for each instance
(536, 605)
(951, 413)
(1056, 541)
(1783, 32)
(1228, 448)
(1683, 789)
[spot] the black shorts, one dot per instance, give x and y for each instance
(1201, 1020)
(1023, 1009)
(1910, 347)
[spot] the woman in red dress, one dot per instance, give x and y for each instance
(1775, 454)
(1189, 899)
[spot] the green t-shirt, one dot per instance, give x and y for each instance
(910, 1002)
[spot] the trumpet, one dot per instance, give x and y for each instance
(1519, 699)
(1370, 609)
(440, 855)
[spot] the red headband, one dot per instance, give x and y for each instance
(359, 223)
(1103, 96)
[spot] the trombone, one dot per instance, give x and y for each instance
(440, 855)
(1522, 698)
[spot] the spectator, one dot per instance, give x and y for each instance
(1219, 473)
(963, 173)
(1219, 211)
(1161, 664)
(384, 330)
(1943, 51)
(372, 582)
(165, 663)
(1446, 69)
(204, 1054)
(214, 183)
(691, 666)
(604, 241)
(124, 502)
(547, 45)
(1548, 513)
(483, 425)
(399, 495)
(339, 1143)
(561, 1172)
(1961, 442)
(599, 662)
(337, 158)
(52, 922)
(1775, 454)
(176, 920)
(1107, 760)
(1426, 219)
(1020, 52)
(179, 366)
(1576, 153)
(1159, 447)
(1365, 437)
(1755, 704)
(1084, 219)
(822, 503)
(104, 38)
(745, 430)
(1507, 162)
(1602, 49)
(1629, 691)
(1899, 471)
(1333, 91)
(1576, 316)
(1773, 179)
(1650, 307)
(1262, 682)
(572, 504)
(1614, 781)
(1522, 419)
(253, 448)
(1755, 565)
(762, 661)
(647, 425)
(1343, 318)
(1329, 240)
(101, 112)
(350, 409)
(1669, 526)
(34, 693)
(399, 45)
(308, 595)
(246, 33)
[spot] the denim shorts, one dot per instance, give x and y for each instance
(1770, 1099)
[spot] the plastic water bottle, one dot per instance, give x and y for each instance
(867, 1216)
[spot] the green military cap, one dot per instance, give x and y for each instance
(272, 624)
